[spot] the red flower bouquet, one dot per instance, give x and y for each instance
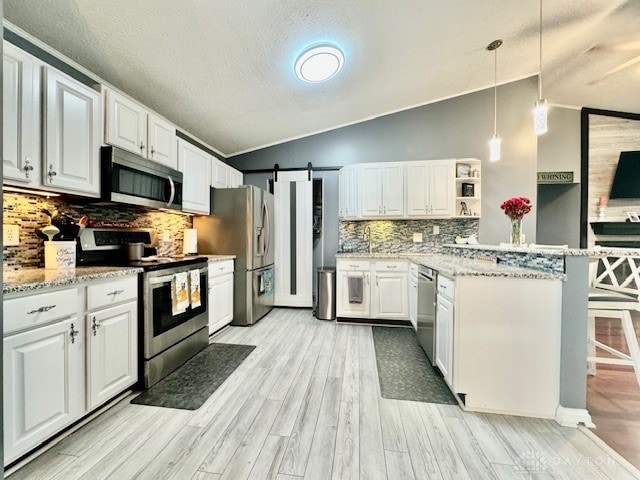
(516, 207)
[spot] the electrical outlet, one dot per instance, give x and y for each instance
(436, 230)
(417, 237)
(10, 235)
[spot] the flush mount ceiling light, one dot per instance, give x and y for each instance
(319, 63)
(494, 143)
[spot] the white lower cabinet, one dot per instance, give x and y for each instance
(391, 295)
(444, 338)
(43, 384)
(357, 269)
(112, 351)
(61, 362)
(385, 289)
(220, 295)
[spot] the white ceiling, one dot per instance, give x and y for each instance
(223, 70)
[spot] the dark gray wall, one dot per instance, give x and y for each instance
(559, 215)
(458, 127)
(559, 205)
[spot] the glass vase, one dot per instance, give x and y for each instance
(516, 232)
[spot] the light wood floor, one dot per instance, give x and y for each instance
(306, 404)
(613, 395)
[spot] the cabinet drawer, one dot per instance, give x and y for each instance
(112, 293)
(220, 268)
(446, 287)
(392, 265)
(354, 265)
(27, 312)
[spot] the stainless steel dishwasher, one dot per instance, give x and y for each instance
(426, 331)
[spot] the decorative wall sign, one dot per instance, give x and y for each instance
(555, 177)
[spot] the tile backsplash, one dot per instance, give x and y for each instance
(397, 235)
(24, 210)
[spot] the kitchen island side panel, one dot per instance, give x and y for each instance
(507, 344)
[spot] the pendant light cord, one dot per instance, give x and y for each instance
(540, 56)
(495, 92)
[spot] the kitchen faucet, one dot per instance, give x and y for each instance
(367, 236)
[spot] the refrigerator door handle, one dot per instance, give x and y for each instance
(259, 242)
(267, 228)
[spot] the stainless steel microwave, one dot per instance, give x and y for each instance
(129, 178)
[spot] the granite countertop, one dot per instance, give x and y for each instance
(218, 258)
(452, 265)
(533, 248)
(15, 281)
(553, 250)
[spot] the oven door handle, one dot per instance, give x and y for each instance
(169, 278)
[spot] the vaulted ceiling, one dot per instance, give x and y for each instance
(223, 70)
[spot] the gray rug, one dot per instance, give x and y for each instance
(190, 385)
(404, 370)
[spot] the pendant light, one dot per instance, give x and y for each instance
(494, 143)
(541, 109)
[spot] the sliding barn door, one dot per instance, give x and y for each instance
(293, 212)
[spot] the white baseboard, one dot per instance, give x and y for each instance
(573, 417)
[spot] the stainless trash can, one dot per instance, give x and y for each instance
(326, 298)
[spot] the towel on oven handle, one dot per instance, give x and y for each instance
(194, 288)
(179, 293)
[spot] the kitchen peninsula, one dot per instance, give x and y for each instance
(517, 333)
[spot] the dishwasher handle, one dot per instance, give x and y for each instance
(429, 277)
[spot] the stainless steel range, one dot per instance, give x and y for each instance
(167, 340)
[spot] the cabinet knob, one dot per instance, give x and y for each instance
(51, 173)
(27, 167)
(73, 333)
(153, 150)
(141, 146)
(95, 326)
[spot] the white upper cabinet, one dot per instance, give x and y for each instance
(348, 192)
(381, 193)
(235, 178)
(392, 190)
(430, 188)
(162, 141)
(371, 190)
(195, 165)
(219, 174)
(225, 176)
(416, 189)
(21, 117)
(441, 187)
(126, 124)
(72, 126)
(132, 127)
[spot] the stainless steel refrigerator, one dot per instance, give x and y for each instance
(241, 224)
